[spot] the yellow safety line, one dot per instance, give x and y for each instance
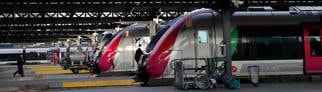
(47, 66)
(98, 83)
(49, 69)
(59, 72)
(40, 70)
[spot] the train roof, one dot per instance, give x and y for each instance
(305, 8)
(293, 11)
(278, 13)
(35, 49)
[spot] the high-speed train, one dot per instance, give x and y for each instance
(32, 53)
(279, 42)
(102, 40)
(118, 54)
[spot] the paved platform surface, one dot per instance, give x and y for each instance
(46, 76)
(264, 87)
(56, 79)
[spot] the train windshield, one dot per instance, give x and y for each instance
(117, 33)
(102, 37)
(159, 34)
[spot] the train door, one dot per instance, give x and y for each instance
(312, 34)
(203, 42)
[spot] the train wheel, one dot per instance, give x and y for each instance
(75, 71)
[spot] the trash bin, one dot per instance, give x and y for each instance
(254, 74)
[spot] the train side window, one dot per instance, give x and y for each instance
(202, 36)
(315, 42)
(268, 44)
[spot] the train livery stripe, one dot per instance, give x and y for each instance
(106, 61)
(234, 40)
(160, 56)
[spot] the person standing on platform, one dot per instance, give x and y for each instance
(20, 63)
(138, 54)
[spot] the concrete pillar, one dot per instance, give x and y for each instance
(78, 43)
(59, 51)
(67, 47)
(93, 37)
(153, 28)
(67, 42)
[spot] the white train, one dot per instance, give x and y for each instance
(118, 54)
(32, 53)
(280, 42)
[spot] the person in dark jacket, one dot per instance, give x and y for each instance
(20, 62)
(138, 54)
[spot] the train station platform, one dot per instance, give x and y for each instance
(46, 76)
(28, 62)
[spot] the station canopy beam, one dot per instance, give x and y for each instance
(80, 15)
(92, 11)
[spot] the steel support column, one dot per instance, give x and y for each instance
(227, 14)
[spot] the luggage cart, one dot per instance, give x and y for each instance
(206, 76)
(201, 79)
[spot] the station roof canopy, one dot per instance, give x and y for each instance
(43, 17)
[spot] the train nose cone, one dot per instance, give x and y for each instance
(105, 63)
